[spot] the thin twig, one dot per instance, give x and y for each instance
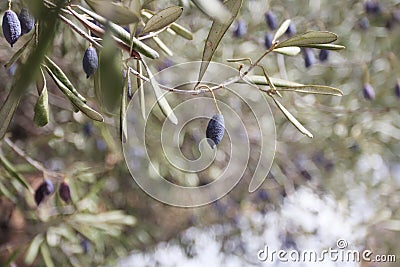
(201, 89)
(80, 31)
(30, 160)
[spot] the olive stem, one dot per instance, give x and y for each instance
(31, 161)
(212, 93)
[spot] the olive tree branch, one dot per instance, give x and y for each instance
(201, 89)
(31, 161)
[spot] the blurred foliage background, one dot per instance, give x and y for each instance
(343, 183)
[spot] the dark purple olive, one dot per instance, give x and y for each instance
(291, 30)
(397, 89)
(372, 7)
(11, 27)
(306, 175)
(263, 195)
(240, 29)
(309, 58)
(88, 129)
(26, 20)
(323, 55)
(389, 24)
(268, 40)
(368, 92)
(270, 18)
(85, 246)
(90, 61)
(45, 189)
(129, 93)
(215, 130)
(65, 192)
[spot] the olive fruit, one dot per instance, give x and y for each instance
(372, 7)
(268, 40)
(397, 89)
(368, 92)
(215, 130)
(45, 189)
(309, 58)
(26, 20)
(11, 27)
(291, 30)
(64, 192)
(241, 29)
(323, 55)
(90, 61)
(270, 18)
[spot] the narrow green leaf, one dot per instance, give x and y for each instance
(97, 85)
(57, 71)
(163, 46)
(281, 30)
(313, 89)
(11, 170)
(10, 260)
(41, 117)
(18, 54)
(8, 109)
(284, 85)
(160, 96)
(391, 225)
(44, 250)
(327, 46)
(88, 111)
(141, 90)
(217, 31)
(115, 217)
(33, 249)
(292, 119)
(122, 114)
(119, 32)
(309, 38)
(162, 19)
(115, 12)
(175, 27)
(260, 80)
(181, 31)
(214, 9)
(7, 193)
(288, 51)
